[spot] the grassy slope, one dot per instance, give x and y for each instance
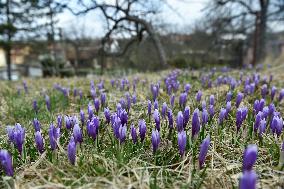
(105, 164)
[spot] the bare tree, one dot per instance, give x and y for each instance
(251, 14)
(128, 18)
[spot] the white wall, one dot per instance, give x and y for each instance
(2, 58)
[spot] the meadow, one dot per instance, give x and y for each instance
(216, 128)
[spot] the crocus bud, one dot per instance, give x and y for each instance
(68, 123)
(156, 104)
(164, 110)
(258, 118)
(281, 95)
(229, 96)
(39, 142)
(156, 117)
(93, 127)
(248, 180)
(264, 90)
(142, 129)
(240, 117)
(181, 142)
(211, 111)
(195, 123)
(149, 107)
(262, 127)
(179, 121)
(6, 162)
(273, 92)
(211, 100)
(97, 104)
(122, 133)
(77, 133)
(182, 99)
(204, 117)
(186, 114)
(155, 140)
(54, 134)
(222, 115)
(107, 114)
(203, 151)
(82, 117)
(134, 99)
(19, 137)
(249, 157)
(239, 99)
(36, 124)
(103, 99)
(170, 118)
(198, 96)
(59, 121)
(71, 151)
(90, 111)
(187, 87)
(133, 134)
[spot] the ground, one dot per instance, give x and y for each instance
(105, 163)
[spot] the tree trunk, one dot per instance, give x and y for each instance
(260, 53)
(8, 61)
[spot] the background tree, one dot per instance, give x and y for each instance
(125, 18)
(252, 16)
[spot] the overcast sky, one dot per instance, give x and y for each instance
(188, 12)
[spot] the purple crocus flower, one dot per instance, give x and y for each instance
(97, 104)
(229, 96)
(156, 104)
(203, 104)
(281, 95)
(172, 100)
(276, 125)
(93, 127)
(35, 106)
(25, 87)
(222, 115)
(77, 133)
(68, 123)
(81, 95)
(107, 115)
(211, 111)
(186, 114)
(122, 133)
(103, 99)
(180, 121)
(47, 102)
(54, 134)
(256, 106)
(142, 129)
(203, 151)
(149, 107)
(182, 99)
(59, 121)
(123, 117)
(133, 134)
(10, 133)
(228, 108)
(170, 118)
(265, 112)
(134, 99)
(273, 92)
(261, 104)
(271, 108)
(90, 111)
(6, 162)
(187, 87)
(181, 142)
(157, 120)
(82, 117)
(264, 90)
(258, 118)
(249, 157)
(71, 150)
(164, 109)
(39, 142)
(262, 127)
(155, 140)
(211, 100)
(19, 137)
(239, 99)
(204, 117)
(36, 124)
(198, 96)
(241, 116)
(195, 123)
(248, 180)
